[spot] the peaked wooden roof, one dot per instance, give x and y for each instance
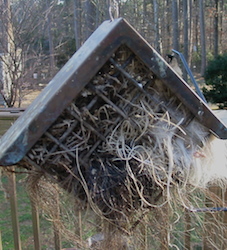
(78, 71)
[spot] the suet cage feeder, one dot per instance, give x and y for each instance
(101, 128)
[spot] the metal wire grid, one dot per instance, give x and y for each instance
(108, 98)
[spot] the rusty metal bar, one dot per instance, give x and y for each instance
(60, 144)
(137, 85)
(115, 107)
(99, 141)
(187, 236)
(68, 131)
(32, 163)
(141, 89)
(63, 137)
(86, 124)
(127, 75)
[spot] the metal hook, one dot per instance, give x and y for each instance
(113, 10)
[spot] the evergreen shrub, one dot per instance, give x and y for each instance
(215, 90)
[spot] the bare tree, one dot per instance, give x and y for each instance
(24, 50)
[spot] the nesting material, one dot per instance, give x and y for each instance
(117, 140)
(130, 150)
(123, 141)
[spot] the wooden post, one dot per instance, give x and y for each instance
(35, 225)
(145, 234)
(215, 222)
(57, 238)
(0, 240)
(225, 214)
(187, 236)
(80, 225)
(165, 227)
(57, 235)
(13, 205)
(162, 220)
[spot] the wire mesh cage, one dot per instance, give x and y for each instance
(123, 144)
(121, 119)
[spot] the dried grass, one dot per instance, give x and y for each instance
(128, 149)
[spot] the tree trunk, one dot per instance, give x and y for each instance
(175, 24)
(107, 14)
(8, 57)
(202, 37)
(144, 19)
(167, 25)
(190, 35)
(89, 9)
(9, 37)
(185, 31)
(196, 27)
(50, 38)
(157, 43)
(221, 21)
(216, 28)
(77, 22)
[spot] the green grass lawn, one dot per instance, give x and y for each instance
(88, 220)
(24, 217)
